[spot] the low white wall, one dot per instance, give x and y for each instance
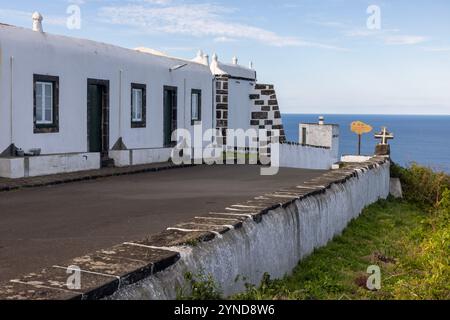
(144, 156)
(305, 157)
(354, 158)
(275, 245)
(124, 158)
(48, 164)
(12, 168)
(64, 163)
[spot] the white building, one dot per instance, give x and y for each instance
(321, 134)
(69, 104)
(78, 100)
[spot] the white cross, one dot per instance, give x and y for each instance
(384, 135)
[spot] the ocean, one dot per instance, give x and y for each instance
(421, 139)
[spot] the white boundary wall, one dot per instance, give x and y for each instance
(48, 164)
(306, 157)
(124, 158)
(275, 245)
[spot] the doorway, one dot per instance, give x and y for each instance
(170, 115)
(98, 117)
(304, 136)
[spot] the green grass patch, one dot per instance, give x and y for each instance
(397, 236)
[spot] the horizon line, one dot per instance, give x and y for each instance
(368, 114)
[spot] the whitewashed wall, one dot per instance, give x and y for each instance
(327, 135)
(305, 157)
(74, 61)
(239, 104)
(276, 245)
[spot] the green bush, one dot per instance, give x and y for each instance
(422, 185)
(428, 263)
(444, 204)
(199, 287)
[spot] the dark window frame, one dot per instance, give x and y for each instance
(105, 114)
(174, 115)
(199, 93)
(142, 123)
(304, 133)
(47, 127)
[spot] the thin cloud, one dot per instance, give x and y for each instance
(387, 36)
(404, 40)
(224, 39)
(197, 20)
(437, 49)
(26, 16)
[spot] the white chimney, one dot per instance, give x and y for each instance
(321, 120)
(206, 59)
(37, 22)
(235, 60)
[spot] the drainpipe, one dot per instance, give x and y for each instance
(11, 101)
(120, 103)
(184, 98)
(213, 111)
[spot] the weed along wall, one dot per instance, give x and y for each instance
(288, 226)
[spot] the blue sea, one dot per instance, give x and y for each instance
(421, 139)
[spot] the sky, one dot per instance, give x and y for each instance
(324, 56)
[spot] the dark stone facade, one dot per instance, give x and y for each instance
(265, 112)
(383, 150)
(222, 106)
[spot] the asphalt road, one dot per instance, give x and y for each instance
(45, 226)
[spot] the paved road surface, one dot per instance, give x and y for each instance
(45, 226)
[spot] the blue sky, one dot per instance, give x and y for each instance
(320, 54)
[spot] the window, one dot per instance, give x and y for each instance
(138, 105)
(44, 102)
(46, 96)
(196, 106)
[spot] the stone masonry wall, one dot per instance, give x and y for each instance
(265, 113)
(222, 105)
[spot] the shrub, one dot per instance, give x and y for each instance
(428, 262)
(422, 185)
(200, 287)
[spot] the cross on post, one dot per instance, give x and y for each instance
(384, 136)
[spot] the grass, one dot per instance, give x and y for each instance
(397, 236)
(408, 240)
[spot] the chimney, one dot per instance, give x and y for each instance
(321, 120)
(235, 60)
(206, 59)
(37, 22)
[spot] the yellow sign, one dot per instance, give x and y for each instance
(360, 128)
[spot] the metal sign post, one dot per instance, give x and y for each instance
(360, 128)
